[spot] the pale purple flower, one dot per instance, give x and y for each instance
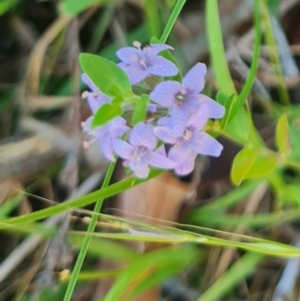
(186, 166)
(105, 134)
(185, 97)
(95, 98)
(85, 78)
(139, 63)
(187, 138)
(140, 152)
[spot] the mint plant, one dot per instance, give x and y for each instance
(175, 119)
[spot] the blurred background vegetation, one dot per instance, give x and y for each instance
(42, 162)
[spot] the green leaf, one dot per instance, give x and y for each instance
(242, 164)
(109, 249)
(82, 201)
(264, 164)
(216, 46)
(106, 113)
(140, 111)
(75, 7)
(150, 269)
(171, 266)
(151, 12)
(282, 135)
(236, 273)
(273, 6)
(106, 75)
(241, 123)
(175, 13)
(227, 102)
(251, 163)
(6, 5)
(270, 40)
(254, 64)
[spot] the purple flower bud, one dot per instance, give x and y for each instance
(139, 63)
(140, 153)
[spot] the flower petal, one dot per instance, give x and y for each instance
(86, 126)
(204, 144)
(140, 170)
(187, 166)
(178, 121)
(198, 120)
(122, 65)
(194, 80)
(164, 134)
(122, 148)
(161, 150)
(160, 161)
(142, 134)
(106, 147)
(117, 127)
(101, 130)
(162, 67)
(85, 78)
(152, 108)
(92, 102)
(130, 55)
(164, 93)
(157, 48)
(135, 74)
(216, 110)
(179, 152)
(102, 99)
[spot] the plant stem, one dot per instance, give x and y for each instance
(87, 239)
(175, 13)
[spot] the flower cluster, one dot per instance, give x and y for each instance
(176, 116)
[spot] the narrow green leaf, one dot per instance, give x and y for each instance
(6, 5)
(10, 205)
(282, 135)
(106, 113)
(273, 54)
(100, 28)
(170, 266)
(237, 272)
(82, 201)
(141, 109)
(75, 7)
(242, 123)
(254, 64)
(242, 163)
(256, 221)
(217, 52)
(227, 102)
(224, 202)
(105, 74)
(141, 272)
(273, 6)
(151, 12)
(109, 249)
(175, 13)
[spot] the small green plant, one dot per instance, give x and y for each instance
(143, 104)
